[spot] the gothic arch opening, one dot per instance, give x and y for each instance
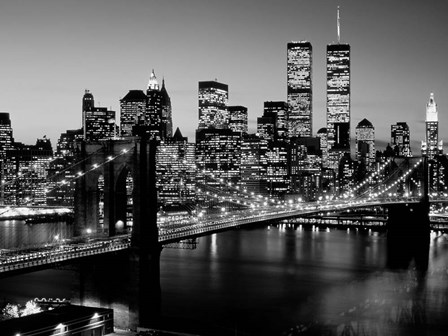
(123, 201)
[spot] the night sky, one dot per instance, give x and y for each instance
(52, 50)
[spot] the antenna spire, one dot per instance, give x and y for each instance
(339, 28)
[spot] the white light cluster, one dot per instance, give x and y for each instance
(402, 178)
(368, 179)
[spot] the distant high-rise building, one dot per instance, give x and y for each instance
(154, 108)
(176, 170)
(267, 126)
(213, 97)
(88, 103)
(253, 164)
(218, 152)
(322, 134)
(6, 139)
(365, 143)
(299, 89)
(338, 100)
(238, 118)
(133, 107)
(151, 110)
(167, 118)
(280, 108)
(401, 139)
(431, 146)
(98, 122)
(27, 170)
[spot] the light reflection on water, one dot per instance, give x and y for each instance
(262, 281)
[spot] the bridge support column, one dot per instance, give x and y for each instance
(144, 288)
(408, 235)
(86, 201)
(145, 248)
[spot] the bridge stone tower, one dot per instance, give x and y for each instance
(408, 230)
(115, 159)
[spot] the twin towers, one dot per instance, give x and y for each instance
(300, 94)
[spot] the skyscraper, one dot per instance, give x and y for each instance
(238, 118)
(176, 170)
(88, 104)
(151, 110)
(299, 89)
(431, 146)
(213, 97)
(365, 143)
(6, 139)
(280, 108)
(98, 122)
(167, 118)
(401, 139)
(133, 107)
(338, 99)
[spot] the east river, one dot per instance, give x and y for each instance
(266, 280)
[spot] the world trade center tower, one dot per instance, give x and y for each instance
(299, 90)
(338, 100)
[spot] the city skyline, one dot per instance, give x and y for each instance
(56, 50)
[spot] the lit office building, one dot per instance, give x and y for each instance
(59, 169)
(213, 97)
(346, 173)
(6, 141)
(152, 110)
(277, 179)
(299, 89)
(238, 118)
(88, 103)
(167, 119)
(98, 122)
(133, 108)
(267, 126)
(322, 135)
(218, 153)
(176, 170)
(280, 109)
(305, 160)
(27, 168)
(431, 146)
(401, 139)
(253, 164)
(365, 144)
(338, 99)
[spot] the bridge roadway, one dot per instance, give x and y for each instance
(49, 255)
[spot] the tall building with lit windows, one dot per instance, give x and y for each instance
(238, 118)
(401, 139)
(213, 97)
(98, 122)
(176, 170)
(151, 109)
(338, 99)
(6, 139)
(365, 143)
(132, 107)
(299, 89)
(280, 109)
(431, 146)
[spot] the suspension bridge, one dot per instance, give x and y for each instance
(111, 163)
